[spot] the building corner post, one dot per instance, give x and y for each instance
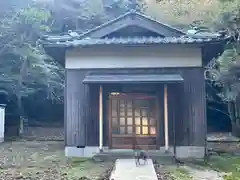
(101, 118)
(166, 117)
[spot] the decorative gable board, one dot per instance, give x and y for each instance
(133, 19)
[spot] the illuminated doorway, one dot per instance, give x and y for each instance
(133, 121)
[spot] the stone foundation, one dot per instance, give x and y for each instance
(181, 151)
(190, 152)
(81, 152)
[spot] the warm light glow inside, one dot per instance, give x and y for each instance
(138, 130)
(145, 130)
(128, 119)
(152, 130)
(115, 93)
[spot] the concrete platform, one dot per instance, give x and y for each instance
(126, 169)
(182, 152)
(129, 154)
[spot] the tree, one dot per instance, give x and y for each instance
(24, 66)
(224, 73)
(182, 13)
(224, 70)
(87, 14)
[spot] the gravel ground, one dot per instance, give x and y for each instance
(44, 133)
(32, 160)
(45, 160)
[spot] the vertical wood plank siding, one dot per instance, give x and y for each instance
(92, 128)
(181, 126)
(187, 106)
(195, 96)
(76, 108)
(160, 93)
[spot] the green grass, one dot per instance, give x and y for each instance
(82, 167)
(179, 173)
(169, 171)
(224, 163)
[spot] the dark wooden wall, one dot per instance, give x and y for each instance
(82, 111)
(187, 106)
(76, 108)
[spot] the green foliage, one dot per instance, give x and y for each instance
(24, 66)
(226, 164)
(35, 17)
(180, 174)
(231, 177)
(209, 13)
(89, 14)
(224, 73)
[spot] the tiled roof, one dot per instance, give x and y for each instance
(67, 41)
(98, 35)
(132, 78)
(134, 18)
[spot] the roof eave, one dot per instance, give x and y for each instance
(58, 45)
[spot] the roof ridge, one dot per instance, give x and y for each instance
(132, 41)
(131, 13)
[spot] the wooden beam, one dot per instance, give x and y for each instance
(101, 118)
(166, 117)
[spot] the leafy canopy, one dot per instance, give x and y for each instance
(24, 66)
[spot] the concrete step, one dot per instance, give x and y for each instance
(113, 155)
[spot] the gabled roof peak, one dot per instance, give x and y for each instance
(133, 18)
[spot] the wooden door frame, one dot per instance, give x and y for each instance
(132, 95)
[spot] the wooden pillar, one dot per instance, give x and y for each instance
(101, 118)
(166, 117)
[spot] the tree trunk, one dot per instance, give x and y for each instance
(234, 119)
(235, 129)
(20, 114)
(19, 96)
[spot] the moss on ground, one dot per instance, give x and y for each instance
(167, 170)
(224, 163)
(179, 173)
(88, 168)
(221, 163)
